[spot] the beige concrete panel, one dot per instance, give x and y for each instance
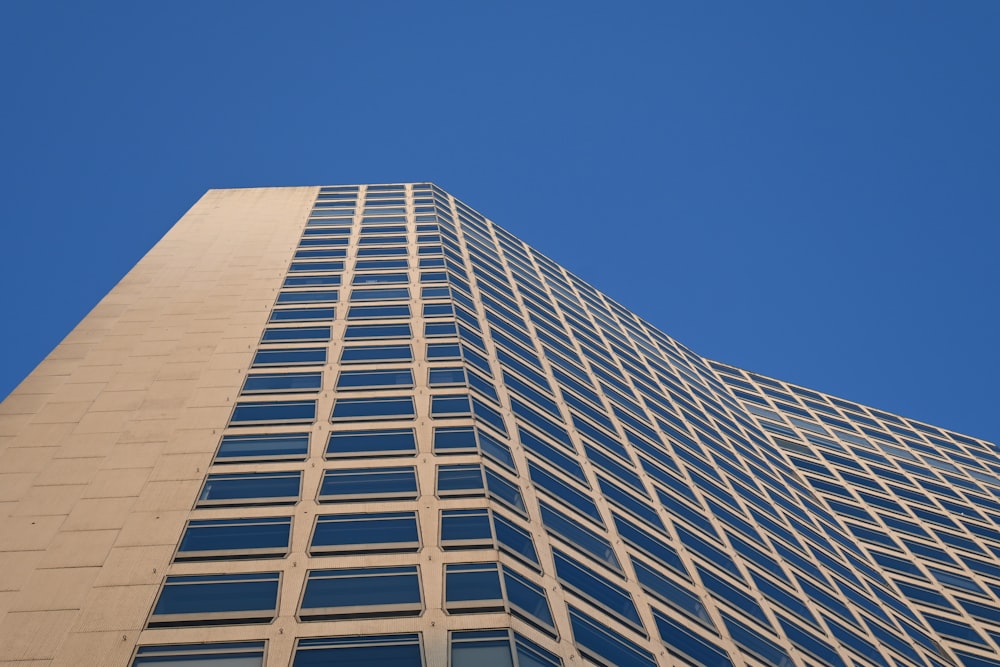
(95, 373)
(99, 649)
(23, 403)
(28, 533)
(181, 466)
(14, 485)
(116, 484)
(38, 383)
(49, 500)
(179, 371)
(127, 566)
(25, 663)
(99, 513)
(116, 608)
(83, 391)
(103, 422)
(71, 350)
(170, 495)
(61, 588)
(24, 459)
(127, 455)
(43, 435)
(207, 417)
(78, 548)
(148, 431)
(131, 380)
(33, 635)
(69, 471)
(83, 446)
(61, 413)
(13, 424)
(227, 379)
(108, 401)
(214, 397)
(16, 566)
(152, 528)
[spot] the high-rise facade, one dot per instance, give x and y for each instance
(363, 425)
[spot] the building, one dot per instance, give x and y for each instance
(363, 425)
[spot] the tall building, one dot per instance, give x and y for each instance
(363, 425)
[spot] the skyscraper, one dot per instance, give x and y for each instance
(363, 425)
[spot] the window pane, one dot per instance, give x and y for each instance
(472, 587)
(374, 379)
(280, 412)
(368, 484)
(234, 538)
(350, 533)
(388, 442)
(273, 383)
(216, 599)
(231, 654)
(371, 651)
(296, 334)
(374, 353)
(260, 488)
(300, 356)
(361, 592)
(263, 447)
(372, 408)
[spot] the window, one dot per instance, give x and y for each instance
(564, 492)
(657, 584)
(457, 481)
(374, 379)
(360, 354)
(274, 412)
(309, 267)
(466, 529)
(596, 640)
(307, 296)
(229, 654)
(380, 294)
(301, 314)
(579, 535)
(292, 356)
(263, 447)
(387, 650)
(296, 335)
(213, 539)
(359, 409)
(586, 583)
(381, 279)
(363, 484)
(380, 264)
(360, 331)
(216, 599)
(450, 405)
(378, 312)
(278, 383)
(472, 587)
(251, 488)
(439, 329)
(384, 442)
(498, 648)
(443, 351)
(357, 533)
(361, 593)
(682, 642)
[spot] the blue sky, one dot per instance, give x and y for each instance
(806, 190)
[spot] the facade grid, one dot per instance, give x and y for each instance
(362, 425)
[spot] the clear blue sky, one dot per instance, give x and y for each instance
(807, 190)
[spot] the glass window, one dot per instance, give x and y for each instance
(586, 583)
(466, 529)
(290, 356)
(380, 264)
(579, 535)
(311, 281)
(357, 533)
(597, 640)
(753, 641)
(229, 654)
(380, 294)
(442, 351)
(447, 376)
(456, 481)
(564, 492)
(378, 312)
(357, 409)
(213, 539)
(307, 296)
(360, 331)
(367, 651)
(359, 354)
(659, 585)
(362, 484)
(296, 335)
(381, 279)
(497, 648)
(278, 383)
(273, 412)
(263, 447)
(450, 405)
(361, 593)
(528, 601)
(251, 488)
(374, 379)
(472, 587)
(383, 442)
(515, 540)
(687, 645)
(216, 599)
(439, 329)
(301, 314)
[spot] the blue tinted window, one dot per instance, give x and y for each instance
(301, 314)
(294, 356)
(376, 531)
(450, 405)
(590, 585)
(595, 639)
(386, 442)
(644, 540)
(528, 601)
(252, 488)
(515, 540)
(374, 379)
(382, 294)
(361, 484)
(657, 584)
(688, 645)
(437, 351)
(380, 264)
(263, 447)
(278, 412)
(464, 529)
(754, 642)
(454, 440)
(564, 492)
(504, 491)
(216, 599)
(272, 383)
(472, 587)
(387, 650)
(296, 335)
(230, 654)
(307, 296)
(359, 331)
(578, 535)
(378, 312)
(381, 279)
(211, 539)
(460, 480)
(375, 353)
(303, 267)
(361, 592)
(373, 408)
(554, 455)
